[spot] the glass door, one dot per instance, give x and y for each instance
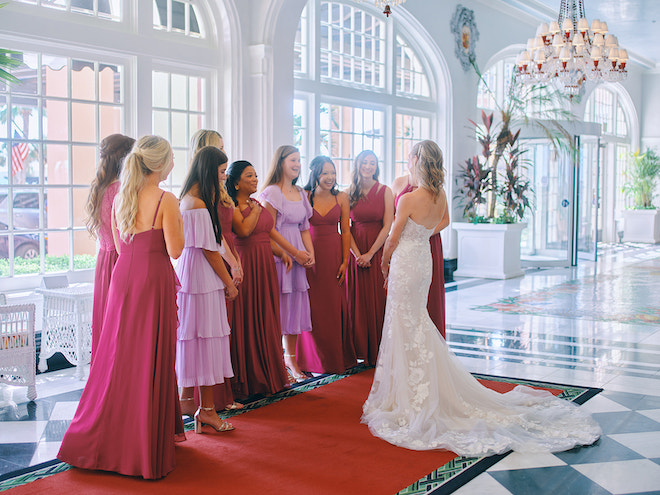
(588, 192)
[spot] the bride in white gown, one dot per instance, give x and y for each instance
(422, 398)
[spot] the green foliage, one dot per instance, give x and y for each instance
(642, 177)
(32, 266)
(9, 59)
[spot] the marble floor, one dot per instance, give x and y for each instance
(595, 325)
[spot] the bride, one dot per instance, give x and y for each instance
(422, 398)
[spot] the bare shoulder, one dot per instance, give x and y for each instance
(342, 198)
(399, 184)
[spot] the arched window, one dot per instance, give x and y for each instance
(360, 83)
(74, 91)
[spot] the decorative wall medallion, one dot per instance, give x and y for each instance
(466, 34)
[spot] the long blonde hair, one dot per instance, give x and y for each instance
(150, 155)
(355, 192)
(112, 151)
(429, 172)
(208, 137)
(275, 171)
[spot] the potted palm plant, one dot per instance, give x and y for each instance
(495, 198)
(642, 221)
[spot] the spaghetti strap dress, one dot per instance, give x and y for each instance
(436, 302)
(328, 348)
(134, 366)
(292, 218)
(105, 263)
(256, 341)
(366, 291)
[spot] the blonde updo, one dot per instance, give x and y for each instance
(428, 170)
(150, 155)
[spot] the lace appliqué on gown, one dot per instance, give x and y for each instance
(422, 398)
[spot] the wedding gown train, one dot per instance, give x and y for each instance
(422, 398)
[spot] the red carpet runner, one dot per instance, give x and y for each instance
(312, 443)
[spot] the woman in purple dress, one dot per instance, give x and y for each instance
(291, 211)
(256, 337)
(203, 356)
(436, 301)
(328, 348)
(223, 398)
(134, 363)
(103, 190)
(372, 212)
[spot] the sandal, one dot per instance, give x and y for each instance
(234, 405)
(224, 425)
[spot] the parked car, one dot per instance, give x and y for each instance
(25, 212)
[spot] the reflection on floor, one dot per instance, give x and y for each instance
(578, 326)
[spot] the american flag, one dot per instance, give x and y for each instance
(19, 152)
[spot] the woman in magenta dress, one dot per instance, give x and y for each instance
(436, 301)
(128, 417)
(256, 337)
(105, 185)
(223, 397)
(291, 211)
(203, 357)
(328, 348)
(372, 212)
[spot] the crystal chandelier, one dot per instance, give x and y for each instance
(385, 4)
(571, 52)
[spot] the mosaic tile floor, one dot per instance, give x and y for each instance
(622, 356)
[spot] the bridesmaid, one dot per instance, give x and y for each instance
(255, 342)
(105, 185)
(128, 417)
(288, 205)
(372, 212)
(436, 301)
(328, 348)
(223, 397)
(203, 356)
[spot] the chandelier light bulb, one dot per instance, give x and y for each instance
(583, 25)
(542, 30)
(603, 27)
(611, 41)
(567, 25)
(554, 27)
(598, 40)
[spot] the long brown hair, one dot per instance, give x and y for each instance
(355, 192)
(209, 137)
(275, 171)
(112, 151)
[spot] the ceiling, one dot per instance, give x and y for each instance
(636, 23)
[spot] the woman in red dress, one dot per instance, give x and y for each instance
(105, 185)
(436, 301)
(372, 212)
(135, 358)
(328, 348)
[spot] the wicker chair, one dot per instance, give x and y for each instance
(17, 348)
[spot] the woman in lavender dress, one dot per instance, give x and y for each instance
(288, 205)
(203, 355)
(105, 186)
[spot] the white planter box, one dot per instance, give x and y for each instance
(641, 226)
(489, 250)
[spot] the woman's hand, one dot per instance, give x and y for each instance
(341, 273)
(302, 257)
(364, 260)
(237, 275)
(385, 270)
(286, 259)
(231, 292)
(310, 262)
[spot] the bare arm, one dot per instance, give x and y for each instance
(402, 214)
(300, 257)
(281, 254)
(172, 225)
(244, 226)
(115, 234)
(354, 247)
(307, 242)
(215, 260)
(388, 218)
(445, 217)
(346, 237)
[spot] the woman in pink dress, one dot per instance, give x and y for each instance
(128, 417)
(291, 211)
(203, 356)
(103, 190)
(256, 338)
(328, 348)
(436, 301)
(223, 398)
(372, 212)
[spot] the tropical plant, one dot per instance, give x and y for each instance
(642, 176)
(539, 105)
(9, 59)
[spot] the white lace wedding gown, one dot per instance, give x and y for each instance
(422, 398)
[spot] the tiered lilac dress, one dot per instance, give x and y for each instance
(105, 262)
(328, 348)
(436, 302)
(256, 341)
(202, 352)
(129, 414)
(292, 218)
(366, 291)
